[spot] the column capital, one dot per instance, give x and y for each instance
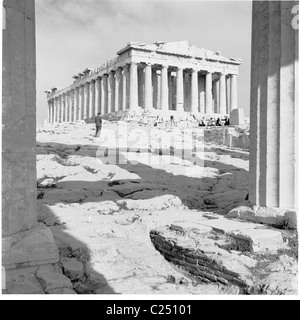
(164, 66)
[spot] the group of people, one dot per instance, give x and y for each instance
(214, 123)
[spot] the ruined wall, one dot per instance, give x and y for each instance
(233, 137)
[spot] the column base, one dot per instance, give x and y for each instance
(276, 217)
(29, 248)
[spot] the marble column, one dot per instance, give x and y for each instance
(118, 90)
(86, 101)
(67, 106)
(57, 110)
(194, 92)
(54, 110)
(71, 97)
(216, 96)
(222, 94)
(63, 108)
(179, 90)
(233, 93)
(50, 103)
(124, 88)
(208, 94)
(110, 92)
(134, 93)
(164, 89)
(92, 99)
(141, 85)
(148, 88)
(201, 94)
(155, 89)
(105, 94)
(19, 205)
(97, 96)
(274, 102)
(76, 105)
(81, 103)
(60, 109)
(170, 90)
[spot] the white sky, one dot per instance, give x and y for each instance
(75, 34)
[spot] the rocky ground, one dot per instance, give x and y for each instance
(102, 204)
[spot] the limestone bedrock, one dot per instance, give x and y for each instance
(102, 212)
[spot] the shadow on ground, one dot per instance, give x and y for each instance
(195, 193)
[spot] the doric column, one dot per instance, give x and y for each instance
(60, 113)
(164, 89)
(201, 80)
(61, 109)
(19, 204)
(54, 110)
(194, 92)
(179, 89)
(216, 95)
(50, 111)
(233, 92)
(86, 94)
(208, 94)
(81, 103)
(92, 99)
(104, 106)
(67, 106)
(124, 88)
(75, 104)
(156, 101)
(110, 90)
(118, 90)
(57, 110)
(97, 96)
(134, 93)
(148, 88)
(64, 107)
(71, 98)
(274, 101)
(222, 94)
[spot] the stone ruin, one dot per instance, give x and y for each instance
(30, 247)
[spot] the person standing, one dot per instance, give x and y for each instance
(98, 122)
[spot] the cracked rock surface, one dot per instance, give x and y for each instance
(101, 212)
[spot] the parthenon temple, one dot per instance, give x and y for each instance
(170, 77)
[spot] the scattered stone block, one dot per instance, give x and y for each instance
(73, 268)
(34, 246)
(276, 217)
(51, 279)
(24, 285)
(159, 203)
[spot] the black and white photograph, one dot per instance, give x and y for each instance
(149, 151)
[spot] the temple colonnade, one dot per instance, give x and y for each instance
(144, 85)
